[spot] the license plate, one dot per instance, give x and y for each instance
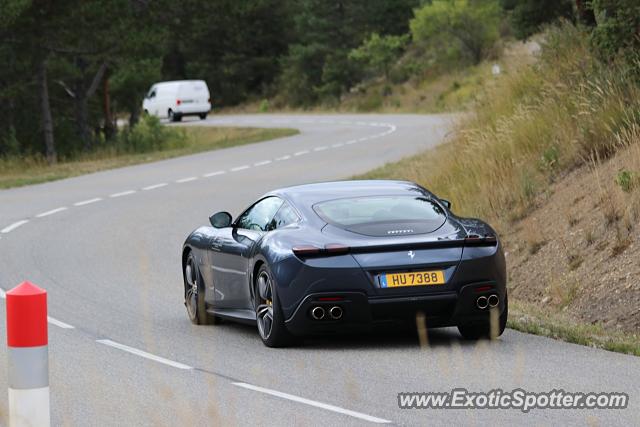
(415, 278)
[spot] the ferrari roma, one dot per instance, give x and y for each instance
(343, 257)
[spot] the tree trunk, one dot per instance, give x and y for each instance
(110, 128)
(134, 116)
(45, 110)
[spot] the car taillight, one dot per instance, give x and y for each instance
(209, 100)
(329, 249)
(306, 250)
(178, 102)
(474, 239)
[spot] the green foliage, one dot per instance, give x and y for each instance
(626, 180)
(317, 66)
(457, 27)
(378, 53)
(527, 16)
(150, 135)
(264, 106)
(618, 29)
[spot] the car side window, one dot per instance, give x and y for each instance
(285, 216)
(151, 94)
(258, 216)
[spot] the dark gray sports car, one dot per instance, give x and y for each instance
(344, 256)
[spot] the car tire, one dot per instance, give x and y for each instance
(269, 317)
(203, 116)
(482, 329)
(194, 294)
(173, 117)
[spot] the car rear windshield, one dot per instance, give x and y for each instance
(383, 215)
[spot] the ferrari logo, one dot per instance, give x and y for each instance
(411, 254)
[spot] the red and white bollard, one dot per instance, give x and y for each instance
(28, 356)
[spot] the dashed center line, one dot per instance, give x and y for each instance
(122, 193)
(51, 212)
(210, 174)
(144, 354)
(153, 187)
(87, 202)
(314, 403)
(10, 228)
(391, 129)
(59, 323)
(189, 179)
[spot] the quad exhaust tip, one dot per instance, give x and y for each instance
(493, 300)
(335, 312)
(317, 313)
(482, 302)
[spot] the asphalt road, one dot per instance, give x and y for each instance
(106, 246)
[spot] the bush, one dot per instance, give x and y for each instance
(472, 26)
(150, 135)
(378, 53)
(618, 28)
(527, 16)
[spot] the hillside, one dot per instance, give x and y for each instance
(551, 156)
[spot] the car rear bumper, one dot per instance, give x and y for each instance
(363, 313)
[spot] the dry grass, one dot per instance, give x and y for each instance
(531, 319)
(32, 170)
(531, 128)
(564, 114)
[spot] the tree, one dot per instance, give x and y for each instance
(378, 53)
(527, 16)
(472, 24)
(618, 29)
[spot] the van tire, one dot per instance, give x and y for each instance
(173, 117)
(203, 116)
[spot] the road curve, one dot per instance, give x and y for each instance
(122, 352)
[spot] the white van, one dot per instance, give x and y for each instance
(177, 99)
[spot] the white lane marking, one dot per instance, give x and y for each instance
(10, 228)
(144, 354)
(338, 145)
(321, 148)
(86, 202)
(283, 158)
(210, 174)
(59, 323)
(353, 141)
(364, 139)
(300, 153)
(262, 163)
(122, 193)
(240, 168)
(314, 403)
(189, 179)
(153, 187)
(51, 212)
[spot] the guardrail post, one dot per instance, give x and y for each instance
(28, 355)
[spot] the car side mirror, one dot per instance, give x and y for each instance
(220, 219)
(446, 203)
